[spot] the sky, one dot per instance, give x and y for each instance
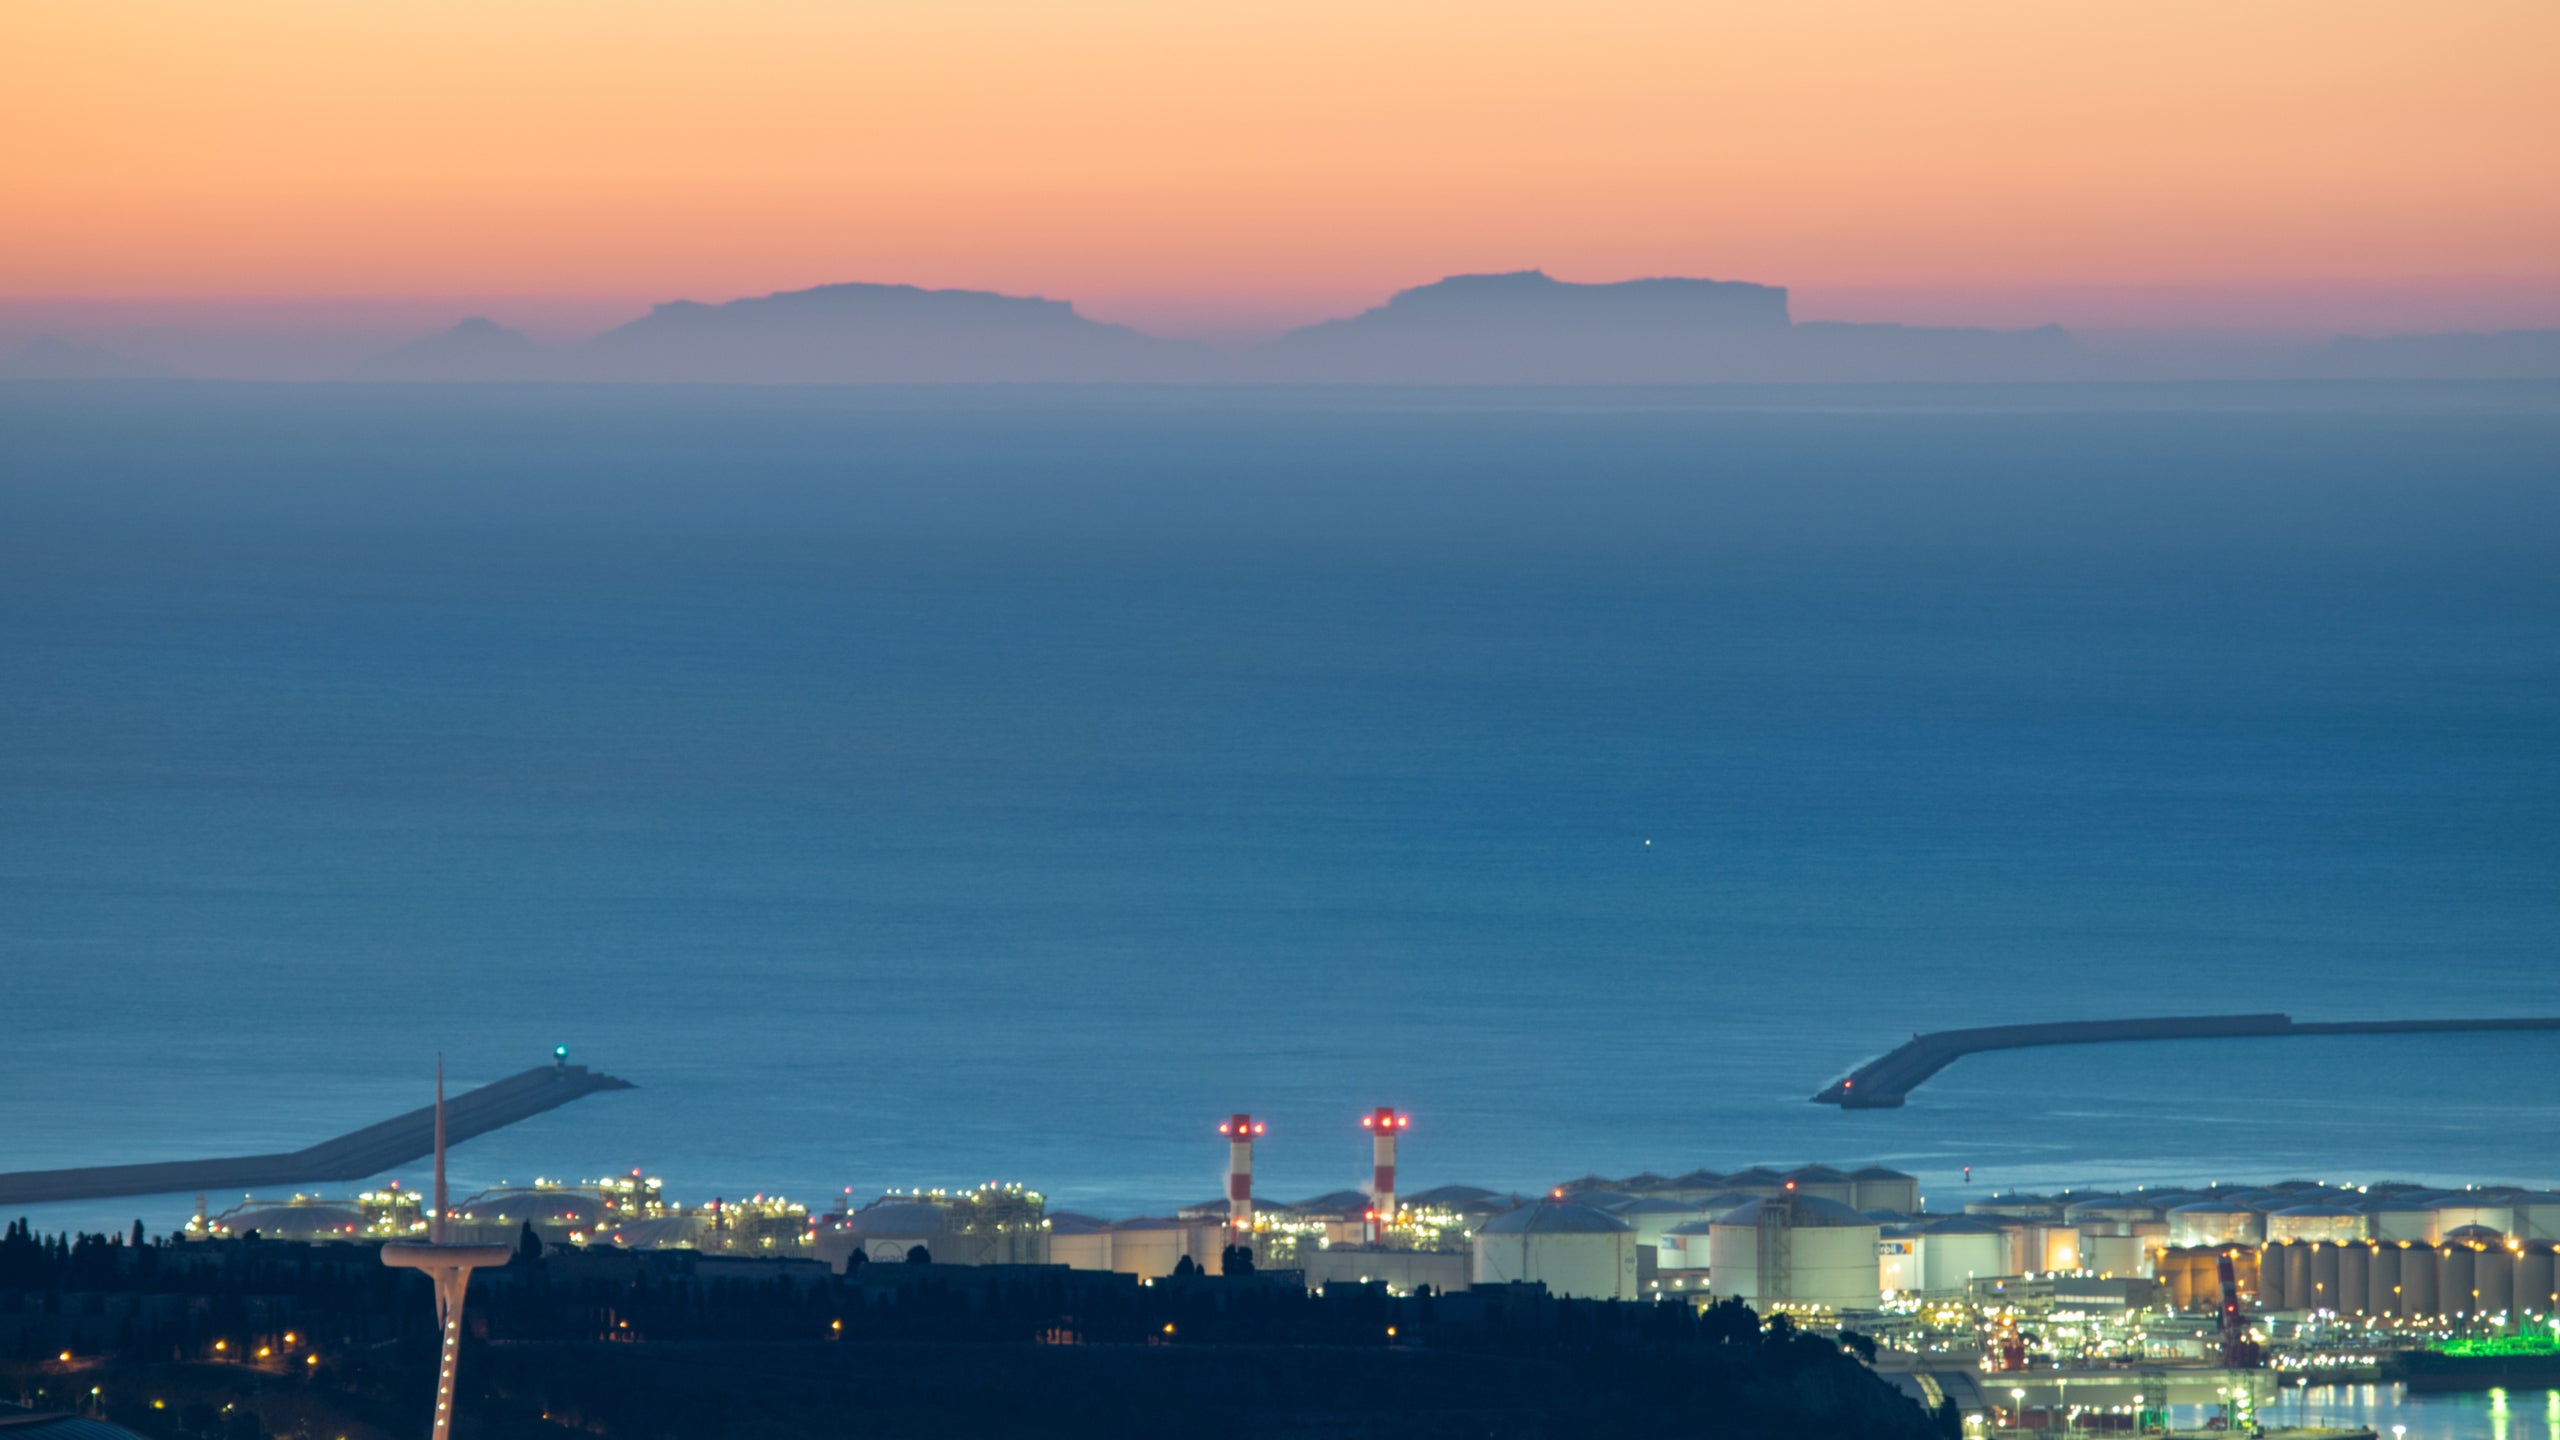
(1211, 168)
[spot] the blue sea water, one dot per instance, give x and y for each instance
(928, 787)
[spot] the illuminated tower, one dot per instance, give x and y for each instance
(449, 1266)
(1240, 1131)
(1382, 1124)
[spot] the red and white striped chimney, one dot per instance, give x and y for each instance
(1240, 1130)
(1382, 1125)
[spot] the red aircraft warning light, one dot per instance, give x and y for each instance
(1383, 1125)
(1240, 1131)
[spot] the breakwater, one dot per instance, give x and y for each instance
(1885, 1081)
(355, 1155)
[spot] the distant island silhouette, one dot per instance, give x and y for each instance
(1523, 327)
(1520, 327)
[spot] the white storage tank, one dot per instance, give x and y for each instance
(885, 1233)
(1684, 1248)
(1150, 1247)
(2216, 1222)
(1795, 1250)
(2457, 1210)
(2121, 1256)
(1759, 1182)
(1959, 1249)
(1654, 1217)
(2537, 1216)
(2110, 1210)
(1879, 1188)
(2400, 1218)
(1823, 1183)
(2320, 1220)
(1574, 1250)
(1079, 1242)
(1898, 1259)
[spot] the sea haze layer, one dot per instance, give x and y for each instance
(927, 787)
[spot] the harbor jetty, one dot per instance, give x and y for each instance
(352, 1156)
(1886, 1081)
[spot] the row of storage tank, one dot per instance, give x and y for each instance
(2475, 1273)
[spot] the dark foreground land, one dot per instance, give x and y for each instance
(243, 1339)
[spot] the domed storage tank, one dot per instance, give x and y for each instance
(308, 1219)
(2110, 1210)
(2474, 1210)
(1957, 1250)
(1653, 1217)
(1796, 1250)
(1684, 1248)
(2320, 1220)
(2117, 1255)
(1079, 1242)
(1573, 1250)
(2397, 1217)
(2016, 1207)
(1898, 1258)
(1759, 1182)
(1151, 1246)
(1880, 1188)
(2537, 1215)
(2216, 1222)
(1824, 1183)
(885, 1233)
(1696, 1185)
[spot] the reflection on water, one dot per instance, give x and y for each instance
(2390, 1410)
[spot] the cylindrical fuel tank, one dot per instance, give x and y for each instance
(2493, 1278)
(2457, 1277)
(2417, 1281)
(2297, 1277)
(2384, 1283)
(2355, 1279)
(2324, 1278)
(2537, 1284)
(2272, 1294)
(2180, 1277)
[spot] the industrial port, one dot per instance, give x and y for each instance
(2030, 1313)
(2154, 1309)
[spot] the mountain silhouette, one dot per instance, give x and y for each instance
(475, 349)
(861, 333)
(1520, 328)
(1529, 328)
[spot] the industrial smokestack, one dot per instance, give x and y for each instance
(1382, 1124)
(1240, 1131)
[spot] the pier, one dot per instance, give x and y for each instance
(1885, 1082)
(356, 1155)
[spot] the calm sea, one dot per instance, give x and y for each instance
(923, 788)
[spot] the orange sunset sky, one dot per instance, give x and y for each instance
(1232, 162)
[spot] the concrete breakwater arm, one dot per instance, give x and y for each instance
(1885, 1081)
(352, 1156)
